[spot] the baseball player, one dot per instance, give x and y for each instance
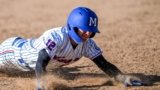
(62, 46)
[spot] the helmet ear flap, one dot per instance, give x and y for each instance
(75, 29)
(92, 35)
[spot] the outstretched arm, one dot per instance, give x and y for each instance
(42, 62)
(113, 71)
(106, 66)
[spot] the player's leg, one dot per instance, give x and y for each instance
(9, 55)
(11, 58)
(9, 41)
(3, 50)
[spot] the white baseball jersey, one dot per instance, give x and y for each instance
(23, 53)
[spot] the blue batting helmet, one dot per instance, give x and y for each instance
(82, 18)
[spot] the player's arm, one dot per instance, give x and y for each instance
(42, 62)
(106, 66)
(113, 71)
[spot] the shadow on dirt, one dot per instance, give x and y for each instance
(149, 80)
(71, 73)
(16, 73)
(91, 87)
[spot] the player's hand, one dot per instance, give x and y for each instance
(129, 80)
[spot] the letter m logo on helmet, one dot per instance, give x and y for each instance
(92, 22)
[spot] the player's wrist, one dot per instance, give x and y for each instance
(120, 77)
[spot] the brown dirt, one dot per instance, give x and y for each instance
(129, 38)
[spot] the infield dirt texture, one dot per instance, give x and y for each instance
(129, 38)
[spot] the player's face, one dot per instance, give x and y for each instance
(84, 34)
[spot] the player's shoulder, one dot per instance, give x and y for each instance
(59, 33)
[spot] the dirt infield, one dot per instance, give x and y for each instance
(129, 38)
